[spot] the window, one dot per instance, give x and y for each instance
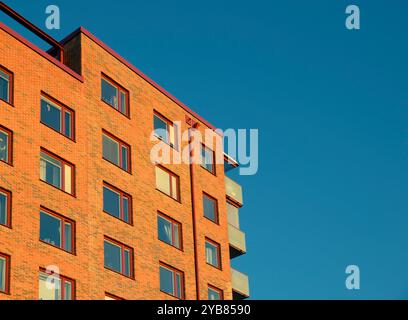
(4, 273)
(171, 281)
(5, 207)
(6, 139)
(167, 183)
(115, 95)
(214, 293)
(57, 116)
(116, 151)
(117, 203)
(57, 230)
(207, 159)
(109, 296)
(165, 130)
(212, 253)
(210, 206)
(55, 287)
(118, 257)
(56, 172)
(169, 230)
(6, 85)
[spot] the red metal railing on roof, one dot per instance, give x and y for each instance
(34, 29)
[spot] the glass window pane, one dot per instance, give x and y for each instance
(111, 202)
(160, 129)
(213, 294)
(172, 136)
(211, 252)
(67, 290)
(68, 124)
(51, 114)
(162, 181)
(123, 102)
(174, 188)
(4, 146)
(178, 285)
(50, 170)
(68, 237)
(176, 230)
(3, 209)
(165, 230)
(50, 229)
(209, 208)
(110, 150)
(4, 86)
(166, 280)
(113, 257)
(49, 287)
(126, 209)
(127, 263)
(125, 164)
(207, 159)
(109, 93)
(68, 178)
(2, 274)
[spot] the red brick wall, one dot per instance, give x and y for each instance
(33, 73)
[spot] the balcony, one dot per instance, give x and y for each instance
(236, 236)
(233, 191)
(240, 285)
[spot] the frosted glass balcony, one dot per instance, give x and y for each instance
(236, 241)
(233, 191)
(240, 285)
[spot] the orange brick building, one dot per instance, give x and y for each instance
(80, 195)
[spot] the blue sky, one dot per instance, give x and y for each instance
(331, 108)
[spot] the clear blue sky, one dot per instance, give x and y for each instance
(331, 108)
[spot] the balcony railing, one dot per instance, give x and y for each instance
(233, 191)
(237, 241)
(240, 285)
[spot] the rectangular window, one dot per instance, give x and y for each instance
(214, 293)
(55, 287)
(169, 230)
(57, 171)
(168, 183)
(117, 203)
(115, 95)
(165, 130)
(5, 207)
(57, 230)
(171, 281)
(210, 206)
(118, 257)
(6, 85)
(116, 151)
(4, 273)
(207, 159)
(57, 116)
(6, 144)
(213, 253)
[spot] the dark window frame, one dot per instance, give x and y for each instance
(170, 124)
(123, 247)
(122, 195)
(63, 220)
(63, 279)
(7, 275)
(10, 134)
(214, 170)
(11, 85)
(182, 280)
(171, 174)
(63, 162)
(113, 296)
(64, 110)
(9, 196)
(173, 222)
(216, 213)
(119, 88)
(218, 290)
(121, 144)
(218, 246)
